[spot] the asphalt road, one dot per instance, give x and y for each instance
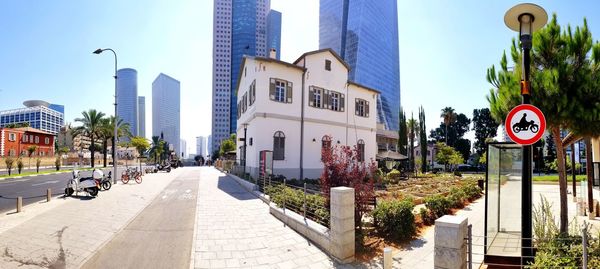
(33, 188)
(161, 235)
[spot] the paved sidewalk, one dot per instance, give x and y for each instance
(235, 230)
(67, 234)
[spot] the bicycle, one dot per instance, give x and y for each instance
(131, 173)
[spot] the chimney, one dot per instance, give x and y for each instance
(273, 53)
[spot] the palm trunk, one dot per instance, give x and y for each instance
(589, 170)
(105, 150)
(92, 151)
(446, 135)
(562, 180)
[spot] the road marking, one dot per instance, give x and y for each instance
(188, 191)
(47, 182)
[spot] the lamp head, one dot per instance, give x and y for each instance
(525, 18)
(98, 51)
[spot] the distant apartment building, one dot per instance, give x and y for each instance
(240, 28)
(166, 116)
(209, 147)
(182, 148)
(295, 115)
(201, 146)
(142, 116)
(37, 114)
(365, 35)
(127, 98)
(16, 142)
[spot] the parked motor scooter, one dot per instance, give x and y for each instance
(105, 180)
(87, 184)
(163, 167)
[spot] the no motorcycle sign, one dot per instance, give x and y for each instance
(525, 124)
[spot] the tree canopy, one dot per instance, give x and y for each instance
(485, 127)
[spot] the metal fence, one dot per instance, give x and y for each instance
(309, 203)
(572, 251)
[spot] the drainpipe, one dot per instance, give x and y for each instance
(302, 122)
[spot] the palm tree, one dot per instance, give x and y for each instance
(90, 128)
(30, 150)
(107, 133)
(157, 148)
(413, 131)
(449, 117)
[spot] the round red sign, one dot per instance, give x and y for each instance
(525, 124)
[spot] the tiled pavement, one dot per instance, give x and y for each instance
(235, 230)
(66, 232)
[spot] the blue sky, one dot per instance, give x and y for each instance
(45, 50)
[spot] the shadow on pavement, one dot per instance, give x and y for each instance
(232, 188)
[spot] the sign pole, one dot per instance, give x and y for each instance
(526, 187)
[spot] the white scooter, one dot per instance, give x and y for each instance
(87, 184)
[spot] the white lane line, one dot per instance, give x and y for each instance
(47, 182)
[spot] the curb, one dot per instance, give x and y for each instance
(193, 251)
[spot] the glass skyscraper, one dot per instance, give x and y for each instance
(365, 35)
(142, 116)
(166, 117)
(239, 28)
(38, 114)
(127, 98)
(274, 32)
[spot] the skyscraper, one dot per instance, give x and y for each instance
(165, 110)
(274, 32)
(240, 28)
(127, 99)
(182, 149)
(365, 35)
(201, 146)
(142, 116)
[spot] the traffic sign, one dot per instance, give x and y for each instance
(525, 124)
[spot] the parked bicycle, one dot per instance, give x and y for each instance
(131, 173)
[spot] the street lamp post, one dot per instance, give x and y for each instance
(245, 138)
(526, 18)
(114, 142)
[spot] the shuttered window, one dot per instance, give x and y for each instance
(252, 91)
(279, 146)
(336, 101)
(280, 90)
(360, 146)
(316, 97)
(361, 107)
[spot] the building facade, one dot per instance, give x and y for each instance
(182, 148)
(209, 147)
(240, 28)
(365, 35)
(201, 146)
(15, 142)
(127, 99)
(166, 102)
(295, 115)
(37, 114)
(142, 116)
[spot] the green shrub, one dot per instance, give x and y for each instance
(438, 205)
(425, 216)
(57, 163)
(294, 200)
(458, 173)
(395, 219)
(457, 197)
(394, 176)
(472, 190)
(19, 165)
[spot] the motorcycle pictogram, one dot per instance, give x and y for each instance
(524, 125)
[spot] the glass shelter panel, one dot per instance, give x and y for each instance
(503, 199)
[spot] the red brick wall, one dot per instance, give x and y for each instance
(20, 145)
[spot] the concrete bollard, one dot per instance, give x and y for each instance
(450, 248)
(48, 195)
(342, 224)
(387, 258)
(19, 204)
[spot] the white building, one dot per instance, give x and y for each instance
(142, 116)
(291, 108)
(201, 146)
(165, 110)
(182, 149)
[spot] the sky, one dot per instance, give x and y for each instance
(46, 51)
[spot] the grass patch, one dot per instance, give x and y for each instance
(554, 178)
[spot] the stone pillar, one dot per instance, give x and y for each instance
(449, 242)
(342, 224)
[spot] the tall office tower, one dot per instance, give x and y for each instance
(240, 28)
(127, 99)
(182, 149)
(165, 110)
(142, 116)
(274, 32)
(209, 149)
(201, 146)
(365, 35)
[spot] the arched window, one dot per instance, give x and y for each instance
(325, 144)
(279, 146)
(360, 146)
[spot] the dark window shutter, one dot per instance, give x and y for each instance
(325, 98)
(367, 109)
(356, 109)
(311, 96)
(342, 102)
(272, 89)
(288, 92)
